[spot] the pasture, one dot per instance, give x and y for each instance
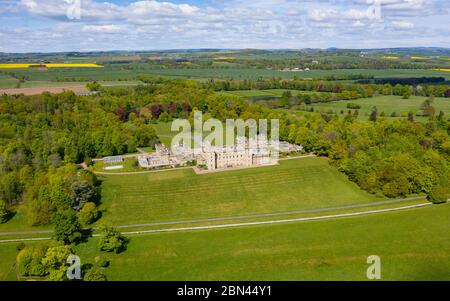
(181, 194)
(387, 104)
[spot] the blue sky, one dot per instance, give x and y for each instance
(53, 25)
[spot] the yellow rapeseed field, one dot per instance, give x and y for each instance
(21, 66)
(442, 69)
(391, 57)
(13, 66)
(419, 58)
(224, 58)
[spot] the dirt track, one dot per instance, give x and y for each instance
(79, 90)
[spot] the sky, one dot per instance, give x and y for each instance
(91, 25)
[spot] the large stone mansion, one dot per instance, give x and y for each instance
(216, 158)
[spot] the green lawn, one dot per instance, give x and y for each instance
(387, 104)
(129, 165)
(412, 245)
(181, 194)
(8, 255)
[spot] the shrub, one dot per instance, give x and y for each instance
(353, 106)
(94, 274)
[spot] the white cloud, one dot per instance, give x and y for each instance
(111, 28)
(149, 24)
(402, 25)
(322, 14)
(358, 24)
(355, 14)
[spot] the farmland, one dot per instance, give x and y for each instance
(128, 74)
(26, 66)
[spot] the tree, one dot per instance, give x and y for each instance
(406, 94)
(82, 192)
(427, 108)
(441, 116)
(111, 240)
(67, 227)
(55, 262)
(447, 93)
(439, 194)
(10, 188)
(4, 212)
(94, 86)
(164, 117)
(374, 114)
(54, 160)
(29, 260)
(156, 110)
(88, 214)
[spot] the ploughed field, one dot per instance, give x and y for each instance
(298, 184)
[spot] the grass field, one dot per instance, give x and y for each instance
(181, 194)
(318, 250)
(119, 72)
(6, 81)
(266, 93)
(325, 250)
(387, 104)
(232, 73)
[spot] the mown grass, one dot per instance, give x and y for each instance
(181, 194)
(412, 245)
(8, 255)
